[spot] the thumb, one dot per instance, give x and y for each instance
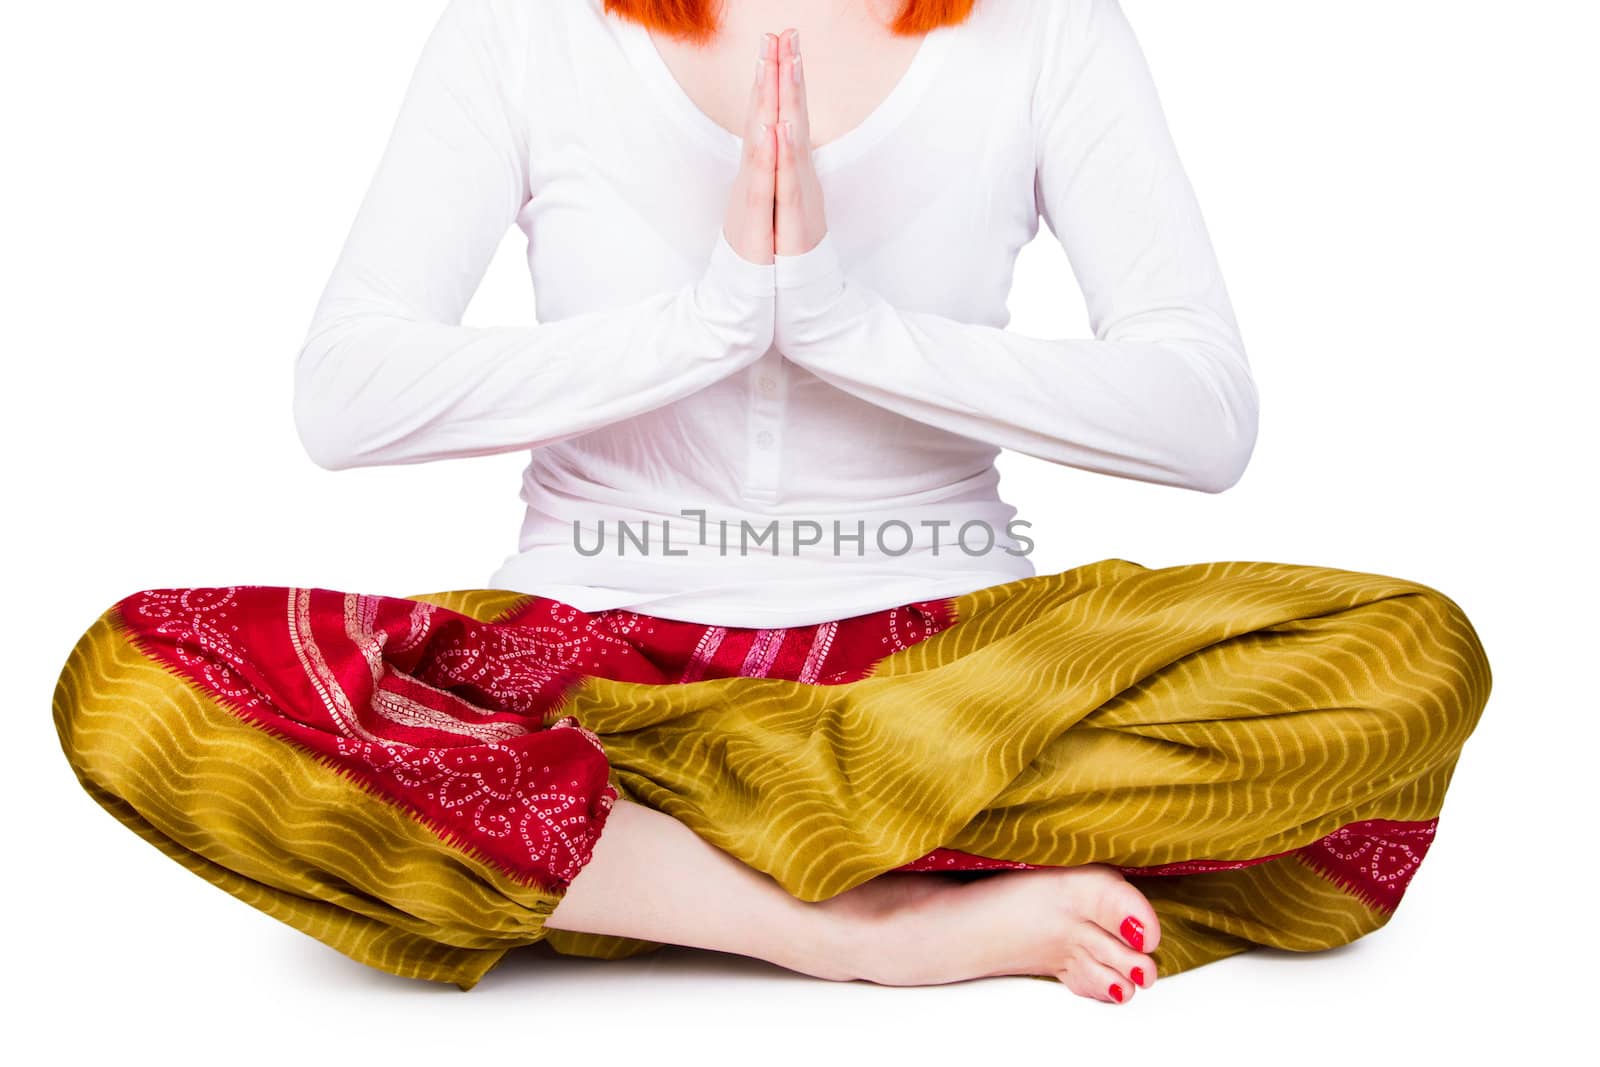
(763, 183)
(786, 194)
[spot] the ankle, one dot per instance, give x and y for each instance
(875, 928)
(837, 943)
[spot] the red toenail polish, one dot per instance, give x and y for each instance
(1133, 931)
(1116, 993)
(1137, 974)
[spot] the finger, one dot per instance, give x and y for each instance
(763, 104)
(788, 196)
(759, 184)
(792, 88)
(763, 179)
(749, 222)
(769, 83)
(787, 201)
(764, 167)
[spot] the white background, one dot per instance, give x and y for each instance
(1402, 197)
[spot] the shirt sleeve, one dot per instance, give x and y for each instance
(388, 375)
(1163, 393)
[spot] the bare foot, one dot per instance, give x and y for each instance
(1068, 922)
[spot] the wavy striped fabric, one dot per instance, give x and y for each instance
(1262, 748)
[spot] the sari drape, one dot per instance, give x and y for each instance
(1262, 748)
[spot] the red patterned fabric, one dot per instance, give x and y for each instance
(1374, 859)
(451, 718)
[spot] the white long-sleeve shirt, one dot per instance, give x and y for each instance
(776, 444)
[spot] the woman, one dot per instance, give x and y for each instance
(770, 672)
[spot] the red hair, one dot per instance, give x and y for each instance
(693, 19)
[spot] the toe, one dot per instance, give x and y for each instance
(1138, 968)
(1088, 977)
(1125, 912)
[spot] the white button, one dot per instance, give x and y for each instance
(764, 439)
(768, 383)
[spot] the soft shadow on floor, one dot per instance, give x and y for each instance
(1278, 957)
(539, 963)
(536, 964)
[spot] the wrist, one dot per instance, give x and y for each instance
(732, 272)
(735, 298)
(810, 291)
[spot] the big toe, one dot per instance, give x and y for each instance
(1125, 912)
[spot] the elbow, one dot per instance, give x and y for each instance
(1226, 463)
(317, 438)
(316, 423)
(324, 453)
(1231, 437)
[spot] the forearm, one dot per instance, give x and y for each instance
(1164, 396)
(374, 387)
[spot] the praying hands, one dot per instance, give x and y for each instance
(776, 203)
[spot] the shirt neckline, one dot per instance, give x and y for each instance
(889, 112)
